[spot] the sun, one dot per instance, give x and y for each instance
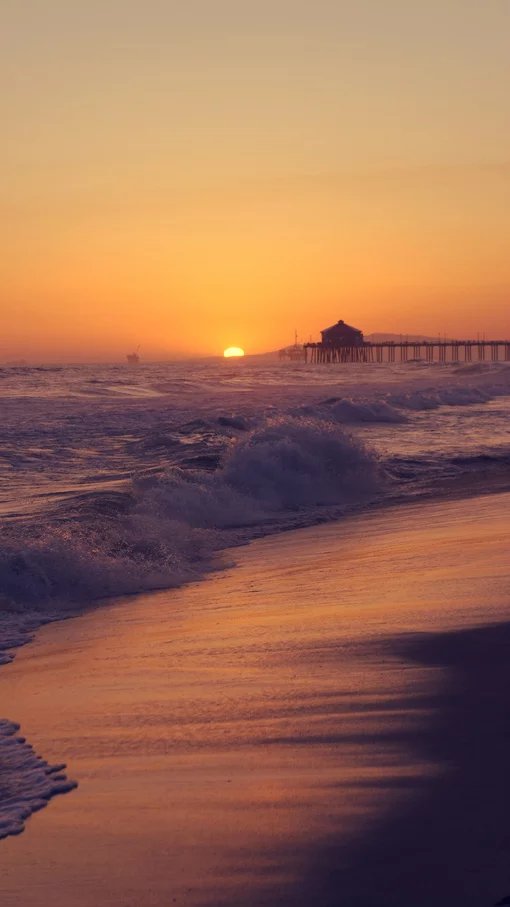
(233, 351)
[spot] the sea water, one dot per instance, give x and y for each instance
(116, 480)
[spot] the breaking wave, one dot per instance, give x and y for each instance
(166, 527)
(435, 397)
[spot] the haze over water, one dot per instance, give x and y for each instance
(217, 174)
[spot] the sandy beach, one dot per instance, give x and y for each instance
(325, 723)
(255, 454)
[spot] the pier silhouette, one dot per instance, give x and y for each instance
(406, 351)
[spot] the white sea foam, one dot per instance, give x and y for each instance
(27, 782)
(166, 526)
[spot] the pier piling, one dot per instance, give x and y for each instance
(431, 351)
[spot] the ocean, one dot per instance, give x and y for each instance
(117, 481)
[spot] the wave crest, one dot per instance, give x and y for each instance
(297, 462)
(167, 526)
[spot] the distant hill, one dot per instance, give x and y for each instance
(398, 338)
(270, 354)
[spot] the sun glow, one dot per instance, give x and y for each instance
(233, 351)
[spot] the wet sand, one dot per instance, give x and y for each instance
(327, 722)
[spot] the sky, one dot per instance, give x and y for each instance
(191, 176)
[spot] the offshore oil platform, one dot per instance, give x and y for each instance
(343, 343)
(133, 359)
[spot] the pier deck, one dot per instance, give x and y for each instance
(406, 351)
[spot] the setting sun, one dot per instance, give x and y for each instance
(233, 351)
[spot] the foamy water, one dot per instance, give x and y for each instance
(27, 781)
(118, 480)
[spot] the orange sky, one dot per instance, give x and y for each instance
(193, 176)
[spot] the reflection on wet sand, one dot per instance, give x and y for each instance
(310, 727)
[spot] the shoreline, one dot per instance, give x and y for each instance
(23, 633)
(223, 730)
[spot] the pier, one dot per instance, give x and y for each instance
(407, 351)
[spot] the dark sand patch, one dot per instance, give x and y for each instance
(448, 843)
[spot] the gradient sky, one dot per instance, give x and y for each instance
(190, 176)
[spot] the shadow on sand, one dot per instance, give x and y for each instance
(447, 841)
